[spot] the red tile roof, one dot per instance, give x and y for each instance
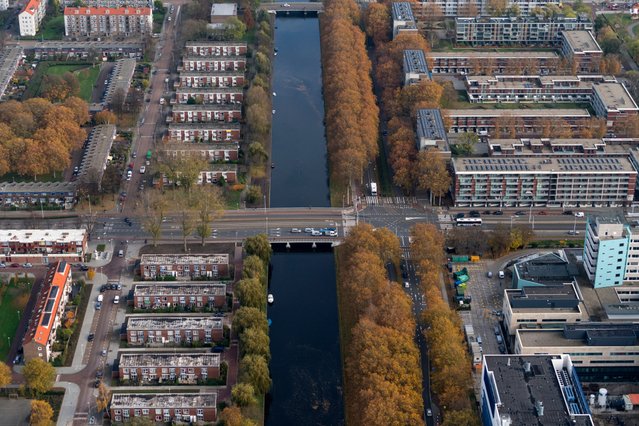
(31, 7)
(142, 11)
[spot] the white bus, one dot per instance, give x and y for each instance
(373, 188)
(469, 221)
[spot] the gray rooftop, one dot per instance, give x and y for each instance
(581, 41)
(94, 157)
(538, 165)
(522, 19)
(545, 112)
(608, 334)
(169, 359)
(184, 259)
(164, 400)
(10, 57)
(192, 44)
(167, 322)
(415, 62)
(547, 269)
(214, 125)
(206, 107)
(120, 78)
(193, 57)
(202, 73)
(83, 45)
(402, 11)
(200, 147)
(38, 188)
(615, 97)
(491, 54)
(205, 90)
(224, 9)
(560, 297)
(430, 124)
(518, 391)
(188, 288)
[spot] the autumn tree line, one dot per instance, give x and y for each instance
(382, 373)
(351, 112)
(450, 376)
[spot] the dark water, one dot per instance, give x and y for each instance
(305, 361)
(299, 147)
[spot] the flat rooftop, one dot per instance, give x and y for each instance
(543, 298)
(581, 41)
(199, 147)
(206, 107)
(169, 359)
(215, 125)
(415, 62)
(489, 54)
(402, 11)
(213, 44)
(430, 124)
(538, 165)
(38, 188)
(544, 146)
(29, 236)
(156, 322)
(184, 259)
(518, 391)
(523, 113)
(204, 90)
(99, 143)
(546, 269)
(84, 45)
(164, 400)
(615, 97)
(591, 335)
(188, 288)
(224, 9)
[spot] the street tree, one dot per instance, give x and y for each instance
(41, 413)
(39, 375)
(377, 22)
(257, 153)
(254, 267)
(259, 246)
(210, 207)
(432, 174)
(242, 395)
(5, 375)
(250, 293)
(105, 117)
(155, 208)
(103, 398)
(79, 108)
(247, 317)
(254, 341)
(232, 416)
(255, 372)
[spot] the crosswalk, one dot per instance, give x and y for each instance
(373, 200)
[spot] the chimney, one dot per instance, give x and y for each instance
(527, 368)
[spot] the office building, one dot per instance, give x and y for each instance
(600, 351)
(190, 296)
(581, 47)
(541, 390)
(163, 367)
(173, 330)
(216, 48)
(464, 62)
(430, 130)
(164, 407)
(184, 266)
(544, 269)
(31, 17)
(204, 132)
(553, 182)
(542, 307)
(209, 95)
(403, 19)
(107, 22)
(218, 151)
(205, 79)
(606, 250)
(48, 313)
(415, 67)
(42, 246)
(206, 113)
(525, 31)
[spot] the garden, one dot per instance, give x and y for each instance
(14, 297)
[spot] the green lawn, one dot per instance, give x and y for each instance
(53, 28)
(87, 78)
(85, 73)
(14, 299)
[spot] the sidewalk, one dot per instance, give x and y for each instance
(99, 259)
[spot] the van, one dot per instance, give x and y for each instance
(479, 339)
(500, 340)
(100, 298)
(116, 300)
(501, 275)
(120, 253)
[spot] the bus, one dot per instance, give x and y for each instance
(373, 188)
(469, 221)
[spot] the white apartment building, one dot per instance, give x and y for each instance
(452, 8)
(102, 21)
(4, 4)
(31, 17)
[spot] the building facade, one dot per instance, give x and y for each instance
(552, 182)
(206, 113)
(216, 48)
(213, 63)
(403, 19)
(204, 132)
(479, 62)
(48, 312)
(415, 67)
(218, 151)
(43, 246)
(110, 3)
(606, 250)
(62, 50)
(183, 266)
(454, 8)
(583, 49)
(197, 79)
(213, 95)
(162, 367)
(159, 407)
(190, 296)
(102, 21)
(613, 102)
(31, 17)
(173, 330)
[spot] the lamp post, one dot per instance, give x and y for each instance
(511, 221)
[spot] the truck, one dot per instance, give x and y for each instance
(100, 298)
(373, 188)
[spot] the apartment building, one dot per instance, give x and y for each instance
(184, 266)
(606, 250)
(552, 147)
(47, 313)
(31, 16)
(107, 22)
(164, 407)
(431, 132)
(454, 8)
(42, 246)
(542, 307)
(120, 79)
(613, 102)
(212, 95)
(526, 390)
(478, 31)
(403, 19)
(197, 79)
(110, 3)
(216, 173)
(463, 62)
(600, 351)
(162, 367)
(581, 47)
(62, 50)
(189, 296)
(218, 151)
(213, 63)
(415, 67)
(631, 293)
(531, 121)
(216, 48)
(96, 154)
(173, 330)
(204, 132)
(206, 113)
(4, 4)
(554, 182)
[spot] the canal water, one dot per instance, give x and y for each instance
(305, 352)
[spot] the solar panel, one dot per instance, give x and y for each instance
(49, 306)
(46, 318)
(54, 292)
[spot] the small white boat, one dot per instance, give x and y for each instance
(270, 299)
(274, 94)
(273, 111)
(274, 53)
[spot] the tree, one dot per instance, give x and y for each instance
(433, 175)
(232, 416)
(427, 243)
(105, 117)
(210, 208)
(247, 317)
(155, 207)
(254, 341)
(257, 153)
(39, 375)
(258, 246)
(103, 398)
(254, 267)
(5, 375)
(253, 194)
(262, 63)
(79, 108)
(377, 22)
(234, 29)
(250, 292)
(243, 395)
(497, 7)
(117, 101)
(467, 142)
(255, 372)
(520, 236)
(41, 413)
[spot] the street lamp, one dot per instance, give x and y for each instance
(18, 315)
(511, 221)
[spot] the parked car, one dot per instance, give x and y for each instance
(520, 213)
(296, 230)
(579, 214)
(27, 265)
(15, 265)
(474, 213)
(542, 213)
(501, 275)
(308, 230)
(568, 213)
(2, 265)
(91, 337)
(104, 352)
(498, 213)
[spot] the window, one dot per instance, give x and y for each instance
(136, 413)
(145, 411)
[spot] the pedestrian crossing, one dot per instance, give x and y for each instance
(373, 200)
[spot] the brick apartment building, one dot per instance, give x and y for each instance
(173, 330)
(102, 21)
(207, 79)
(166, 408)
(162, 367)
(47, 314)
(213, 63)
(45, 246)
(204, 132)
(211, 95)
(218, 151)
(477, 62)
(581, 47)
(184, 266)
(612, 102)
(207, 113)
(191, 295)
(215, 48)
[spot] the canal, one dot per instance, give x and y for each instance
(305, 352)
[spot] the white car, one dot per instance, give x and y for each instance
(406, 284)
(296, 230)
(308, 230)
(316, 233)
(142, 169)
(579, 214)
(286, 5)
(129, 174)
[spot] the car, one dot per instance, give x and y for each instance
(97, 383)
(331, 233)
(286, 5)
(141, 187)
(296, 230)
(129, 175)
(316, 233)
(169, 19)
(487, 212)
(429, 412)
(15, 265)
(2, 265)
(98, 306)
(404, 274)
(498, 213)
(489, 274)
(142, 169)
(118, 286)
(568, 213)
(91, 337)
(474, 213)
(459, 215)
(27, 265)
(92, 420)
(99, 373)
(579, 214)
(76, 170)
(520, 213)
(308, 230)
(502, 349)
(104, 352)
(127, 220)
(501, 275)
(84, 268)
(134, 155)
(147, 162)
(542, 213)
(571, 232)
(479, 340)
(496, 330)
